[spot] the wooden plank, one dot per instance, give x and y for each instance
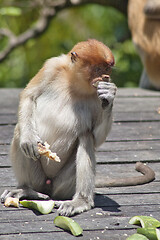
(137, 92)
(6, 119)
(110, 146)
(136, 104)
(4, 161)
(111, 157)
(125, 170)
(113, 171)
(128, 156)
(94, 235)
(135, 116)
(149, 188)
(9, 99)
(127, 199)
(6, 134)
(4, 148)
(14, 215)
(129, 145)
(99, 223)
(11, 119)
(26, 221)
(120, 132)
(152, 187)
(105, 207)
(102, 235)
(134, 131)
(13, 93)
(7, 178)
(110, 170)
(147, 151)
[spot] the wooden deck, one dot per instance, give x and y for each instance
(135, 136)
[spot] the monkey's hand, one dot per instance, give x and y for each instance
(106, 92)
(29, 147)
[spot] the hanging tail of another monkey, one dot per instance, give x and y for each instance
(148, 176)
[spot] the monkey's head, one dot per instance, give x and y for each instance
(91, 62)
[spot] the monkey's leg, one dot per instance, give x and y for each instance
(83, 199)
(64, 184)
(30, 176)
(23, 193)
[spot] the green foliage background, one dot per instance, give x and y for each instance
(70, 26)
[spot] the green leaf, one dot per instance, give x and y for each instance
(68, 224)
(145, 221)
(137, 236)
(10, 11)
(43, 207)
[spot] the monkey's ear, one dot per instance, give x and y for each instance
(74, 56)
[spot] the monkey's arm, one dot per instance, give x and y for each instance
(28, 136)
(106, 92)
(148, 176)
(26, 128)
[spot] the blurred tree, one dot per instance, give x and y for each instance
(41, 39)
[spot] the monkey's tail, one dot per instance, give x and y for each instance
(148, 176)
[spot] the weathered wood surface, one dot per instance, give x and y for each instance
(135, 136)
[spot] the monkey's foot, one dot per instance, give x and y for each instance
(72, 207)
(23, 193)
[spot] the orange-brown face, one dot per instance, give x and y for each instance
(100, 72)
(93, 62)
(95, 72)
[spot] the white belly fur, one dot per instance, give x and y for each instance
(60, 123)
(55, 126)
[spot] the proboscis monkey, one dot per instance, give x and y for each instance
(69, 105)
(144, 23)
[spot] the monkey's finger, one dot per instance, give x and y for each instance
(34, 152)
(103, 84)
(58, 204)
(25, 149)
(106, 94)
(103, 91)
(6, 194)
(66, 209)
(108, 85)
(30, 151)
(9, 194)
(3, 196)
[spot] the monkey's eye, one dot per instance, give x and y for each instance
(97, 69)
